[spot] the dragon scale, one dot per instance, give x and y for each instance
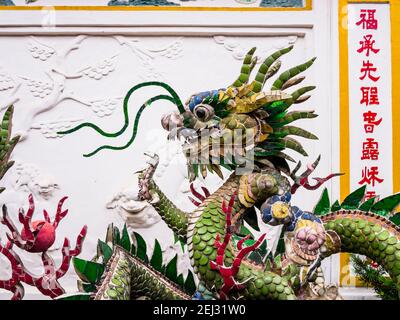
(368, 234)
(250, 126)
(358, 232)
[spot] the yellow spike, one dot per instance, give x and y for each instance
(203, 169)
(262, 137)
(245, 89)
(217, 170)
(250, 104)
(242, 192)
(231, 92)
(266, 128)
(272, 96)
(222, 95)
(248, 198)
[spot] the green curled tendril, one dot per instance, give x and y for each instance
(174, 98)
(135, 126)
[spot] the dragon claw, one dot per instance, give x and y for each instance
(198, 195)
(302, 180)
(153, 158)
(228, 273)
(145, 177)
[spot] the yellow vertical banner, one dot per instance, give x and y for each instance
(346, 278)
(395, 19)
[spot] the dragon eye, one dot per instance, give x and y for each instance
(203, 112)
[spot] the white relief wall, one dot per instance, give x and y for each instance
(58, 81)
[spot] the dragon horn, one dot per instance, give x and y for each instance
(248, 65)
(289, 74)
(263, 73)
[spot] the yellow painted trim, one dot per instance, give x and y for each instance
(395, 23)
(345, 277)
(344, 101)
(344, 272)
(368, 1)
(308, 6)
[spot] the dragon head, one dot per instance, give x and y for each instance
(230, 127)
(241, 124)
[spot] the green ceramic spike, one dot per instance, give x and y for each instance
(287, 75)
(125, 239)
(247, 67)
(294, 116)
(157, 258)
(353, 200)
(323, 206)
(295, 131)
(141, 252)
(335, 206)
(294, 145)
(366, 206)
(265, 66)
(395, 219)
(171, 270)
(88, 271)
(105, 250)
(386, 205)
(190, 285)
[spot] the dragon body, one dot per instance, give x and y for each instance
(247, 131)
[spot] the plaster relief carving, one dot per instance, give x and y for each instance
(39, 89)
(141, 214)
(49, 129)
(148, 56)
(104, 108)
(56, 96)
(101, 69)
(30, 179)
(54, 91)
(39, 50)
(239, 51)
(44, 52)
(136, 213)
(7, 84)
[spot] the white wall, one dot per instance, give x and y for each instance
(192, 52)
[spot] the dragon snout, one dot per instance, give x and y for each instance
(171, 121)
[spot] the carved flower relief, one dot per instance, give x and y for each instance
(102, 69)
(40, 51)
(6, 82)
(104, 108)
(49, 129)
(239, 51)
(39, 89)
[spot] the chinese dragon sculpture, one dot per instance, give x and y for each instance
(229, 262)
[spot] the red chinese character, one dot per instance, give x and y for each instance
(370, 176)
(370, 121)
(368, 45)
(367, 70)
(369, 195)
(367, 19)
(369, 96)
(370, 150)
